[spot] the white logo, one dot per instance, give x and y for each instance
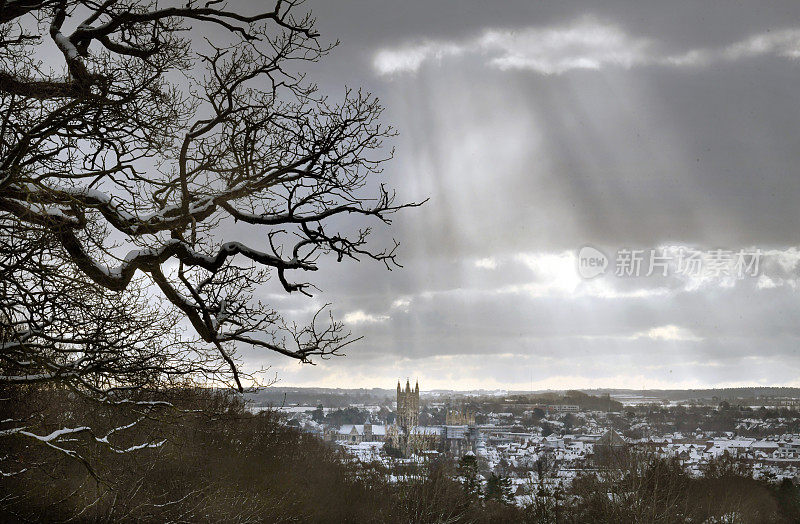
(591, 262)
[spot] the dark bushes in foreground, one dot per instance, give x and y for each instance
(219, 463)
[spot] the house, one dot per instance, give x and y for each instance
(356, 433)
(611, 449)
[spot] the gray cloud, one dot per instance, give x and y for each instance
(536, 129)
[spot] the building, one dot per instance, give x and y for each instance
(406, 434)
(460, 433)
(610, 450)
(425, 438)
(456, 417)
(460, 439)
(407, 405)
(561, 408)
(357, 433)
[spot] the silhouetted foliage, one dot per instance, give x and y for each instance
(498, 488)
(133, 152)
(346, 416)
(468, 472)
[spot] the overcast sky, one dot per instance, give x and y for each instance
(538, 128)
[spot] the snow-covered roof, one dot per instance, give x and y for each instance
(348, 429)
(428, 430)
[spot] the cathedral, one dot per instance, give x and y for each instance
(406, 434)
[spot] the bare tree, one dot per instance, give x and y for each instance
(135, 155)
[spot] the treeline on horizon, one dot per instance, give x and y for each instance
(277, 396)
(334, 398)
(329, 398)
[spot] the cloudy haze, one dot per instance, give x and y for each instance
(538, 129)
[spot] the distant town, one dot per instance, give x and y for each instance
(547, 438)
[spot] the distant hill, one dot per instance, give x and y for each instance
(702, 394)
(598, 402)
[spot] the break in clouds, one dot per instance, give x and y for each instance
(586, 43)
(544, 128)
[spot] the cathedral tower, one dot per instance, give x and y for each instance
(407, 405)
